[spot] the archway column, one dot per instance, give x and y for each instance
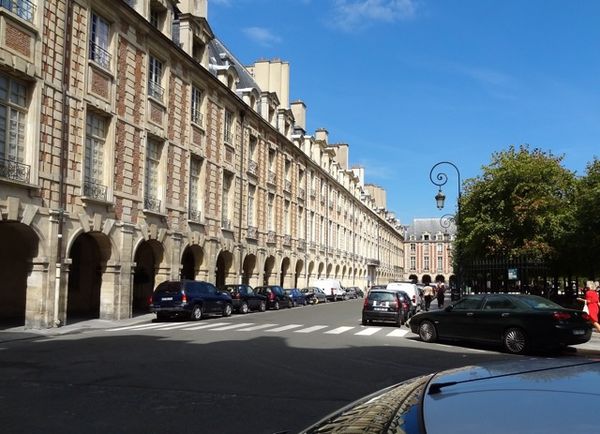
(38, 313)
(110, 296)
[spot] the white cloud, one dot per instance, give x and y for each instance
(350, 14)
(262, 36)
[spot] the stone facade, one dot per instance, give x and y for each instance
(136, 156)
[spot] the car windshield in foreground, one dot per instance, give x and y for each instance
(536, 302)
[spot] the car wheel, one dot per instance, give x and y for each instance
(294, 304)
(515, 340)
(243, 308)
(197, 313)
(276, 305)
(290, 304)
(427, 331)
(262, 306)
(227, 310)
(364, 321)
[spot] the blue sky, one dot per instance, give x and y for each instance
(408, 83)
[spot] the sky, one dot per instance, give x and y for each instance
(410, 83)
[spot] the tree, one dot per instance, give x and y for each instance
(521, 205)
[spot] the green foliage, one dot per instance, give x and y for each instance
(521, 204)
(586, 240)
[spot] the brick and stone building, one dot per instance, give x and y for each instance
(134, 148)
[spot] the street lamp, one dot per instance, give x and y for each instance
(440, 179)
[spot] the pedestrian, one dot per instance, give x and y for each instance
(591, 301)
(428, 295)
(440, 293)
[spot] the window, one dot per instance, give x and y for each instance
(440, 264)
(13, 116)
(413, 263)
(413, 247)
(425, 237)
(151, 182)
(95, 138)
(251, 194)
(155, 72)
(197, 97)
(157, 15)
(498, 302)
(286, 217)
(227, 126)
(300, 230)
(311, 227)
(99, 41)
(426, 263)
(271, 213)
(195, 201)
(440, 247)
(468, 303)
(225, 199)
(23, 8)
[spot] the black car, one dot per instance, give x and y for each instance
(297, 296)
(351, 292)
(314, 295)
(276, 296)
(189, 298)
(245, 299)
(518, 322)
(520, 396)
(387, 306)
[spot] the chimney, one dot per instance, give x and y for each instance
(323, 135)
(299, 112)
(197, 8)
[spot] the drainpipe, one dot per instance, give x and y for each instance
(63, 164)
(241, 204)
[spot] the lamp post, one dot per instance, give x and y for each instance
(440, 178)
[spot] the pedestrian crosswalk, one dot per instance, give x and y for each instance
(270, 328)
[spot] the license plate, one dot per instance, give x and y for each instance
(380, 308)
(167, 298)
(578, 332)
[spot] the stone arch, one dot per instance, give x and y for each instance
(329, 270)
(298, 273)
(223, 267)
(248, 268)
(15, 267)
(440, 278)
(320, 270)
(192, 259)
(149, 254)
(426, 279)
(414, 278)
(268, 269)
(337, 272)
(309, 272)
(285, 267)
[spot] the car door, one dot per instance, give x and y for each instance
(458, 321)
(248, 294)
(496, 313)
(212, 302)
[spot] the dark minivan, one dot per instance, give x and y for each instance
(386, 305)
(276, 296)
(189, 298)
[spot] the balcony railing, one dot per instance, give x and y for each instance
(301, 193)
(197, 117)
(252, 232)
(288, 185)
(287, 240)
(227, 136)
(94, 190)
(14, 170)
(22, 8)
(155, 90)
(313, 192)
(226, 224)
(312, 245)
(271, 177)
(195, 215)
(99, 55)
(152, 204)
(252, 167)
(301, 244)
(271, 237)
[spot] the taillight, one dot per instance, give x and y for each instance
(184, 298)
(150, 300)
(236, 295)
(586, 317)
(405, 305)
(561, 316)
(366, 303)
(271, 296)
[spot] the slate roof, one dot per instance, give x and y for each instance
(215, 49)
(429, 225)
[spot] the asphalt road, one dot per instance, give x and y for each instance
(257, 373)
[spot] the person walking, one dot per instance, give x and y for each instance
(591, 301)
(440, 294)
(428, 295)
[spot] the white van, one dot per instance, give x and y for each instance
(332, 288)
(412, 291)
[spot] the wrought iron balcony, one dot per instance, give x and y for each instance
(197, 117)
(155, 90)
(252, 232)
(227, 136)
(152, 204)
(99, 55)
(195, 215)
(271, 237)
(287, 240)
(272, 177)
(14, 170)
(94, 190)
(252, 167)
(288, 185)
(22, 8)
(301, 193)
(301, 244)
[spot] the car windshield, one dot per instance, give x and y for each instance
(536, 302)
(381, 296)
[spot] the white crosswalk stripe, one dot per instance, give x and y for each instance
(141, 326)
(368, 331)
(233, 326)
(258, 327)
(338, 331)
(284, 328)
(206, 326)
(398, 333)
(311, 329)
(176, 326)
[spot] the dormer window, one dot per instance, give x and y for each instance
(425, 237)
(157, 15)
(198, 50)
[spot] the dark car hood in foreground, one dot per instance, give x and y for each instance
(525, 396)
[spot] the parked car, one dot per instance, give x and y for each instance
(314, 295)
(297, 296)
(517, 396)
(276, 296)
(387, 306)
(518, 322)
(332, 288)
(351, 292)
(245, 299)
(416, 299)
(189, 298)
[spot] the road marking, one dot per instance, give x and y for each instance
(258, 327)
(233, 326)
(206, 326)
(175, 326)
(141, 326)
(338, 331)
(311, 329)
(398, 333)
(368, 332)
(284, 328)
